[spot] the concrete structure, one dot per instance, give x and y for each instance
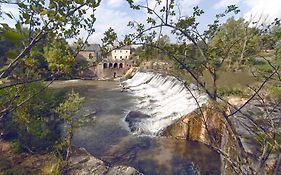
(91, 53)
(110, 68)
(122, 53)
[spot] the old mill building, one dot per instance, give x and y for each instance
(116, 65)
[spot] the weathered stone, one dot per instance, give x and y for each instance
(133, 117)
(82, 163)
(246, 123)
(124, 170)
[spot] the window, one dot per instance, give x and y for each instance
(90, 56)
(120, 56)
(115, 65)
(115, 56)
(120, 66)
(126, 57)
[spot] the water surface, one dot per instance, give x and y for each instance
(110, 139)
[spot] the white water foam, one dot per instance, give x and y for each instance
(164, 98)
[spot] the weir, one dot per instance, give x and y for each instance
(162, 99)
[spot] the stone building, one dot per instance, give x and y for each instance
(91, 54)
(122, 53)
(110, 68)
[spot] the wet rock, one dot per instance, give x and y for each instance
(124, 170)
(135, 117)
(82, 163)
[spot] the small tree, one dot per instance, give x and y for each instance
(66, 111)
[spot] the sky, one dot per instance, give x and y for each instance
(117, 14)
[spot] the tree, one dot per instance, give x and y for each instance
(59, 57)
(27, 57)
(54, 18)
(43, 21)
(66, 110)
(234, 42)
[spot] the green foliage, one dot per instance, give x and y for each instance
(233, 43)
(59, 57)
(224, 92)
(66, 112)
(274, 141)
(275, 92)
(15, 146)
(69, 106)
(52, 167)
(36, 123)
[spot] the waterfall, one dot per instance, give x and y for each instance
(160, 101)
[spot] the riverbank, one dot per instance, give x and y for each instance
(81, 162)
(251, 124)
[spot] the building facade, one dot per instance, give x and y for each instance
(91, 53)
(110, 68)
(122, 53)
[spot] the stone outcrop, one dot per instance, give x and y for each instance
(193, 127)
(82, 163)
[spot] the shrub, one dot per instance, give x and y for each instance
(223, 91)
(275, 92)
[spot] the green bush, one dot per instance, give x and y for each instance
(223, 91)
(34, 125)
(275, 92)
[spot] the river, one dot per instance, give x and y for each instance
(110, 139)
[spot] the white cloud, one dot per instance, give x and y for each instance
(12, 9)
(225, 3)
(116, 19)
(188, 3)
(114, 3)
(263, 10)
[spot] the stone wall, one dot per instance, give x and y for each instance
(112, 69)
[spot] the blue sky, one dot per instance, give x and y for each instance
(116, 13)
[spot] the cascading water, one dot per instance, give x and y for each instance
(161, 100)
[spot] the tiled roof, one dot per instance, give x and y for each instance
(124, 48)
(92, 47)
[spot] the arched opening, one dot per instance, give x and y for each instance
(121, 66)
(110, 65)
(104, 65)
(90, 56)
(115, 65)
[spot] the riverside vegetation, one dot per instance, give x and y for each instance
(36, 50)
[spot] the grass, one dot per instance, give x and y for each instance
(261, 138)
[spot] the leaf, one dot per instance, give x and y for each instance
(11, 54)
(25, 15)
(5, 26)
(9, 15)
(44, 12)
(13, 36)
(22, 5)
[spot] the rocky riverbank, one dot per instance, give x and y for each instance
(80, 162)
(251, 122)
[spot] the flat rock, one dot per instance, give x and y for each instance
(124, 170)
(82, 163)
